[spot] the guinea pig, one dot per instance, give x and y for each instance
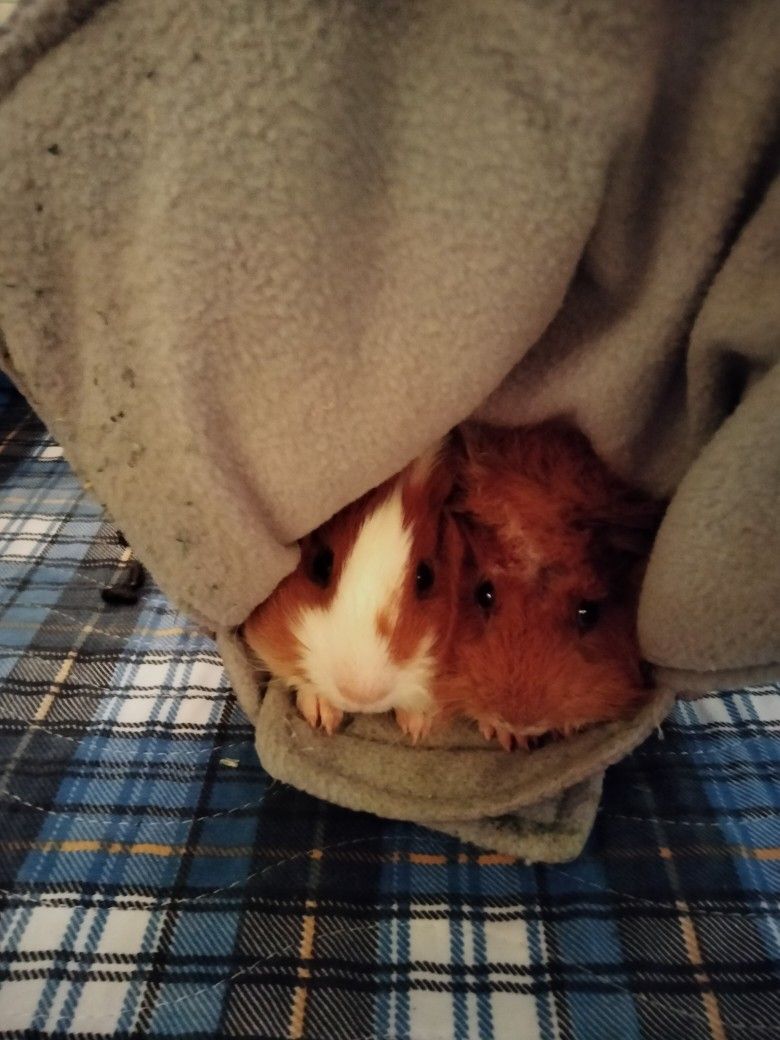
(364, 622)
(545, 640)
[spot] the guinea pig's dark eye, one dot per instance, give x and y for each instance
(588, 614)
(424, 578)
(485, 595)
(322, 566)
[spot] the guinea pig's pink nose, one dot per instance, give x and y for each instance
(363, 693)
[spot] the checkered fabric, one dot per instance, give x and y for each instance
(156, 883)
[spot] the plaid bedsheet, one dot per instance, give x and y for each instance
(156, 883)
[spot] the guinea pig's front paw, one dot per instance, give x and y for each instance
(318, 712)
(506, 737)
(415, 724)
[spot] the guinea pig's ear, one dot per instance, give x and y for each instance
(627, 528)
(432, 475)
(471, 453)
(472, 444)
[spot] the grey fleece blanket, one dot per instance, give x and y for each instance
(254, 257)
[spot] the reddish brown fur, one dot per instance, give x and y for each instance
(549, 526)
(435, 540)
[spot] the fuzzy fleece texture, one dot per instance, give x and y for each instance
(255, 257)
(538, 805)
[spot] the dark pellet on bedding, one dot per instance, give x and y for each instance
(119, 595)
(124, 590)
(121, 539)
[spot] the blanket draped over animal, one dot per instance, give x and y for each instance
(254, 257)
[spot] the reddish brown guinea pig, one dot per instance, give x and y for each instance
(545, 640)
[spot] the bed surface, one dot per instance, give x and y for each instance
(155, 882)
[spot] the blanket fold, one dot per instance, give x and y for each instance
(535, 805)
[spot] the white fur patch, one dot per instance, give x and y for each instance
(345, 657)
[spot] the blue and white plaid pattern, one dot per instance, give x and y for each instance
(156, 883)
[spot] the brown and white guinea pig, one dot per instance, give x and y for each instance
(364, 622)
(546, 635)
